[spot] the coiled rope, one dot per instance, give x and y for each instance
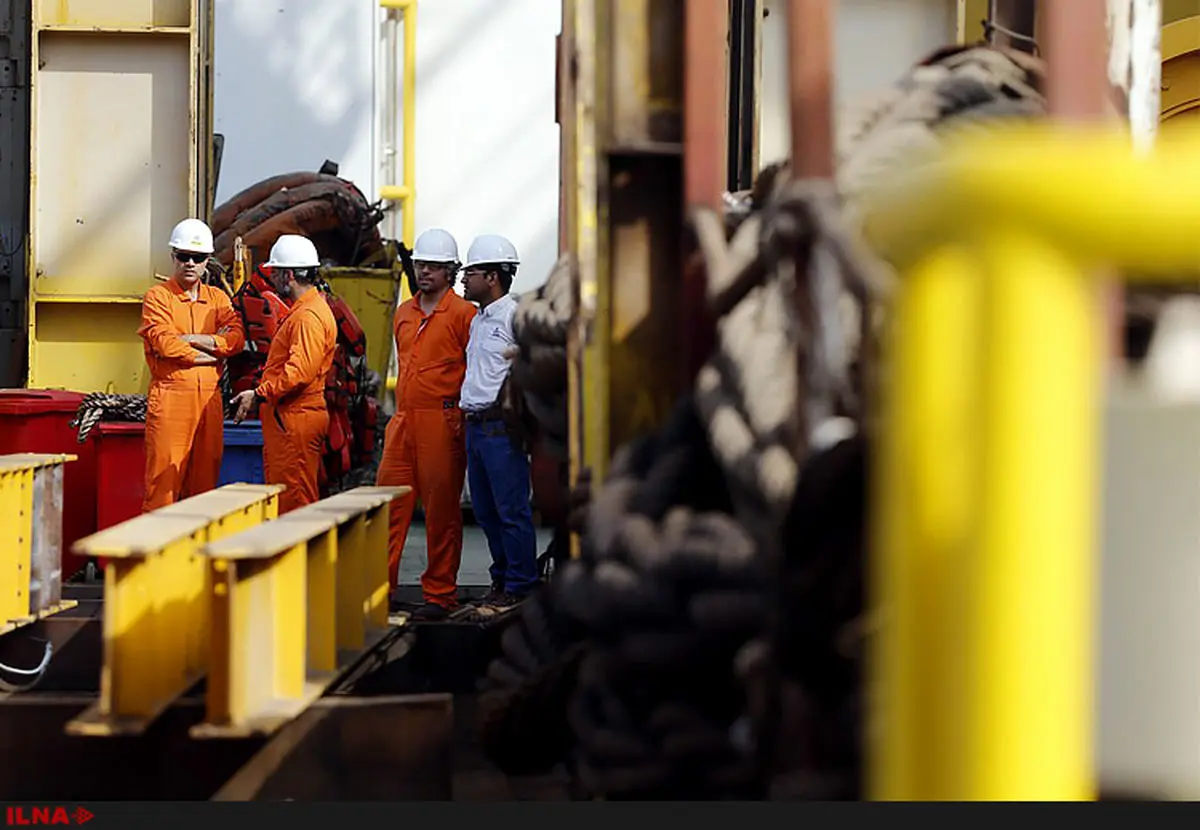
(104, 406)
(686, 537)
(539, 367)
(760, 695)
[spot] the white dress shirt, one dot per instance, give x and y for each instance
(487, 367)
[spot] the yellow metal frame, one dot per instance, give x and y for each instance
(968, 14)
(95, 244)
(18, 536)
(156, 610)
(405, 194)
(294, 602)
(588, 339)
(373, 293)
(1180, 48)
(986, 504)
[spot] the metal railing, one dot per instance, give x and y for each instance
(31, 507)
(984, 526)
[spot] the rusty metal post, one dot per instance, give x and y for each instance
(705, 93)
(810, 86)
(1077, 91)
(624, 73)
(1013, 24)
(1077, 75)
(706, 74)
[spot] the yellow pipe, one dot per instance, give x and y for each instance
(1081, 188)
(410, 131)
(1031, 579)
(405, 194)
(923, 486)
(984, 531)
(395, 193)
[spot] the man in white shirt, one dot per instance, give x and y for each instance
(497, 466)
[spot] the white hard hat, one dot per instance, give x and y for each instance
(491, 249)
(435, 245)
(292, 251)
(192, 235)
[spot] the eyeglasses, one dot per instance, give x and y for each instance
(186, 256)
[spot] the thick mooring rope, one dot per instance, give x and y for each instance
(104, 406)
(708, 642)
(539, 369)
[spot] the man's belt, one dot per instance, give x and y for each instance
(492, 413)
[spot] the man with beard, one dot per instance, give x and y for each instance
(424, 446)
(294, 417)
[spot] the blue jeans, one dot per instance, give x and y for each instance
(498, 475)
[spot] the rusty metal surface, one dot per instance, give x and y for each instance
(646, 74)
(646, 240)
(1077, 54)
(810, 72)
(1077, 91)
(45, 574)
(704, 57)
(42, 763)
(642, 134)
(363, 749)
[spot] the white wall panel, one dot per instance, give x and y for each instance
(876, 42)
(296, 83)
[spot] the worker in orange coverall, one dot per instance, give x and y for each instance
(292, 390)
(188, 328)
(424, 445)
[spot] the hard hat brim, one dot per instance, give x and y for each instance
(193, 249)
(480, 262)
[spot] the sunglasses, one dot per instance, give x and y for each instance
(185, 256)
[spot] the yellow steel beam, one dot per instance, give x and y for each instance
(293, 602)
(156, 614)
(984, 568)
(30, 538)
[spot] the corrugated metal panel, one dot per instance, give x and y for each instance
(120, 102)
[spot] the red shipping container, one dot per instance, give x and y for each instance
(38, 420)
(120, 461)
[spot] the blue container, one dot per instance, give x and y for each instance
(243, 460)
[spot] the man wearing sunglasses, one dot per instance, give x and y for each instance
(295, 419)
(188, 329)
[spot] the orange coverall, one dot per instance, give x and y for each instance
(184, 412)
(294, 418)
(424, 447)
